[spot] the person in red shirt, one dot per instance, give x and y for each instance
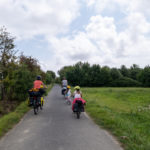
(38, 83)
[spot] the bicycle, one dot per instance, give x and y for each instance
(78, 108)
(36, 105)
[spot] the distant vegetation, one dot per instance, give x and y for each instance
(84, 74)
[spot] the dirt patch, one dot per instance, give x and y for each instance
(7, 106)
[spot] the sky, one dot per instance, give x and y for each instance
(63, 32)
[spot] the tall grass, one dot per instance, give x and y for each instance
(123, 111)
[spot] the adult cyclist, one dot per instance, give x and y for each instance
(36, 90)
(37, 83)
(64, 85)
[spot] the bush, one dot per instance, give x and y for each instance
(125, 82)
(18, 83)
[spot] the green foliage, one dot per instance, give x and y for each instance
(144, 76)
(115, 74)
(134, 71)
(96, 76)
(57, 80)
(31, 63)
(124, 71)
(17, 75)
(123, 111)
(7, 57)
(125, 82)
(21, 82)
(7, 52)
(50, 77)
(105, 76)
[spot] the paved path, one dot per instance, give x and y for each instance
(56, 128)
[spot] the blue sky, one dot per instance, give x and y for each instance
(62, 32)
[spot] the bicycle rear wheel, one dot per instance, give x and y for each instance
(35, 107)
(78, 115)
(41, 106)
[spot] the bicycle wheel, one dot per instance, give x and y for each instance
(42, 101)
(68, 102)
(41, 106)
(78, 115)
(35, 108)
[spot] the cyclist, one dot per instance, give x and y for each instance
(77, 96)
(37, 90)
(77, 93)
(64, 85)
(68, 95)
(39, 85)
(38, 82)
(64, 82)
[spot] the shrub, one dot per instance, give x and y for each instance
(125, 82)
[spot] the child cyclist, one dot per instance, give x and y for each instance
(77, 96)
(77, 93)
(68, 95)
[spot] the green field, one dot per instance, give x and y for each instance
(125, 112)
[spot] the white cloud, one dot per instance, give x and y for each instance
(27, 18)
(100, 41)
(69, 51)
(126, 6)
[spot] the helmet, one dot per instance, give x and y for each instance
(77, 87)
(68, 87)
(38, 77)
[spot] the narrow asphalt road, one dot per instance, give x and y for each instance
(56, 128)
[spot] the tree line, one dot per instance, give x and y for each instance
(84, 74)
(17, 73)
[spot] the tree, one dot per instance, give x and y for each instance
(18, 82)
(124, 71)
(134, 71)
(7, 56)
(7, 52)
(52, 73)
(115, 74)
(144, 76)
(30, 62)
(95, 75)
(50, 76)
(105, 76)
(85, 71)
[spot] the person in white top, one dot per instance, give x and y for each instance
(64, 86)
(64, 82)
(77, 92)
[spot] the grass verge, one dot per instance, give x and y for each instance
(49, 87)
(9, 120)
(123, 111)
